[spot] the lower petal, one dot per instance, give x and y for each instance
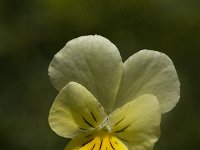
(102, 140)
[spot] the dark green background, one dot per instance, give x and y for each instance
(32, 31)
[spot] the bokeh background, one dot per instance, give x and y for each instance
(32, 31)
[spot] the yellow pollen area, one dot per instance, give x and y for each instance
(103, 140)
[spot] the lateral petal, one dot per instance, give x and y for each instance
(74, 111)
(137, 122)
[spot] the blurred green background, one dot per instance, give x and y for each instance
(32, 31)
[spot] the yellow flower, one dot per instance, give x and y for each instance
(106, 104)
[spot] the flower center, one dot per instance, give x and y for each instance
(105, 126)
(103, 140)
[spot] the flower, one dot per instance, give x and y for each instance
(106, 104)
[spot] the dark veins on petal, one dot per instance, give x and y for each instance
(93, 117)
(119, 121)
(123, 129)
(87, 122)
(86, 142)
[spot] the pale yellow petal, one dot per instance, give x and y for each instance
(137, 123)
(74, 111)
(92, 61)
(149, 72)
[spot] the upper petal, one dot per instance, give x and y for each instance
(92, 61)
(137, 123)
(74, 111)
(149, 72)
